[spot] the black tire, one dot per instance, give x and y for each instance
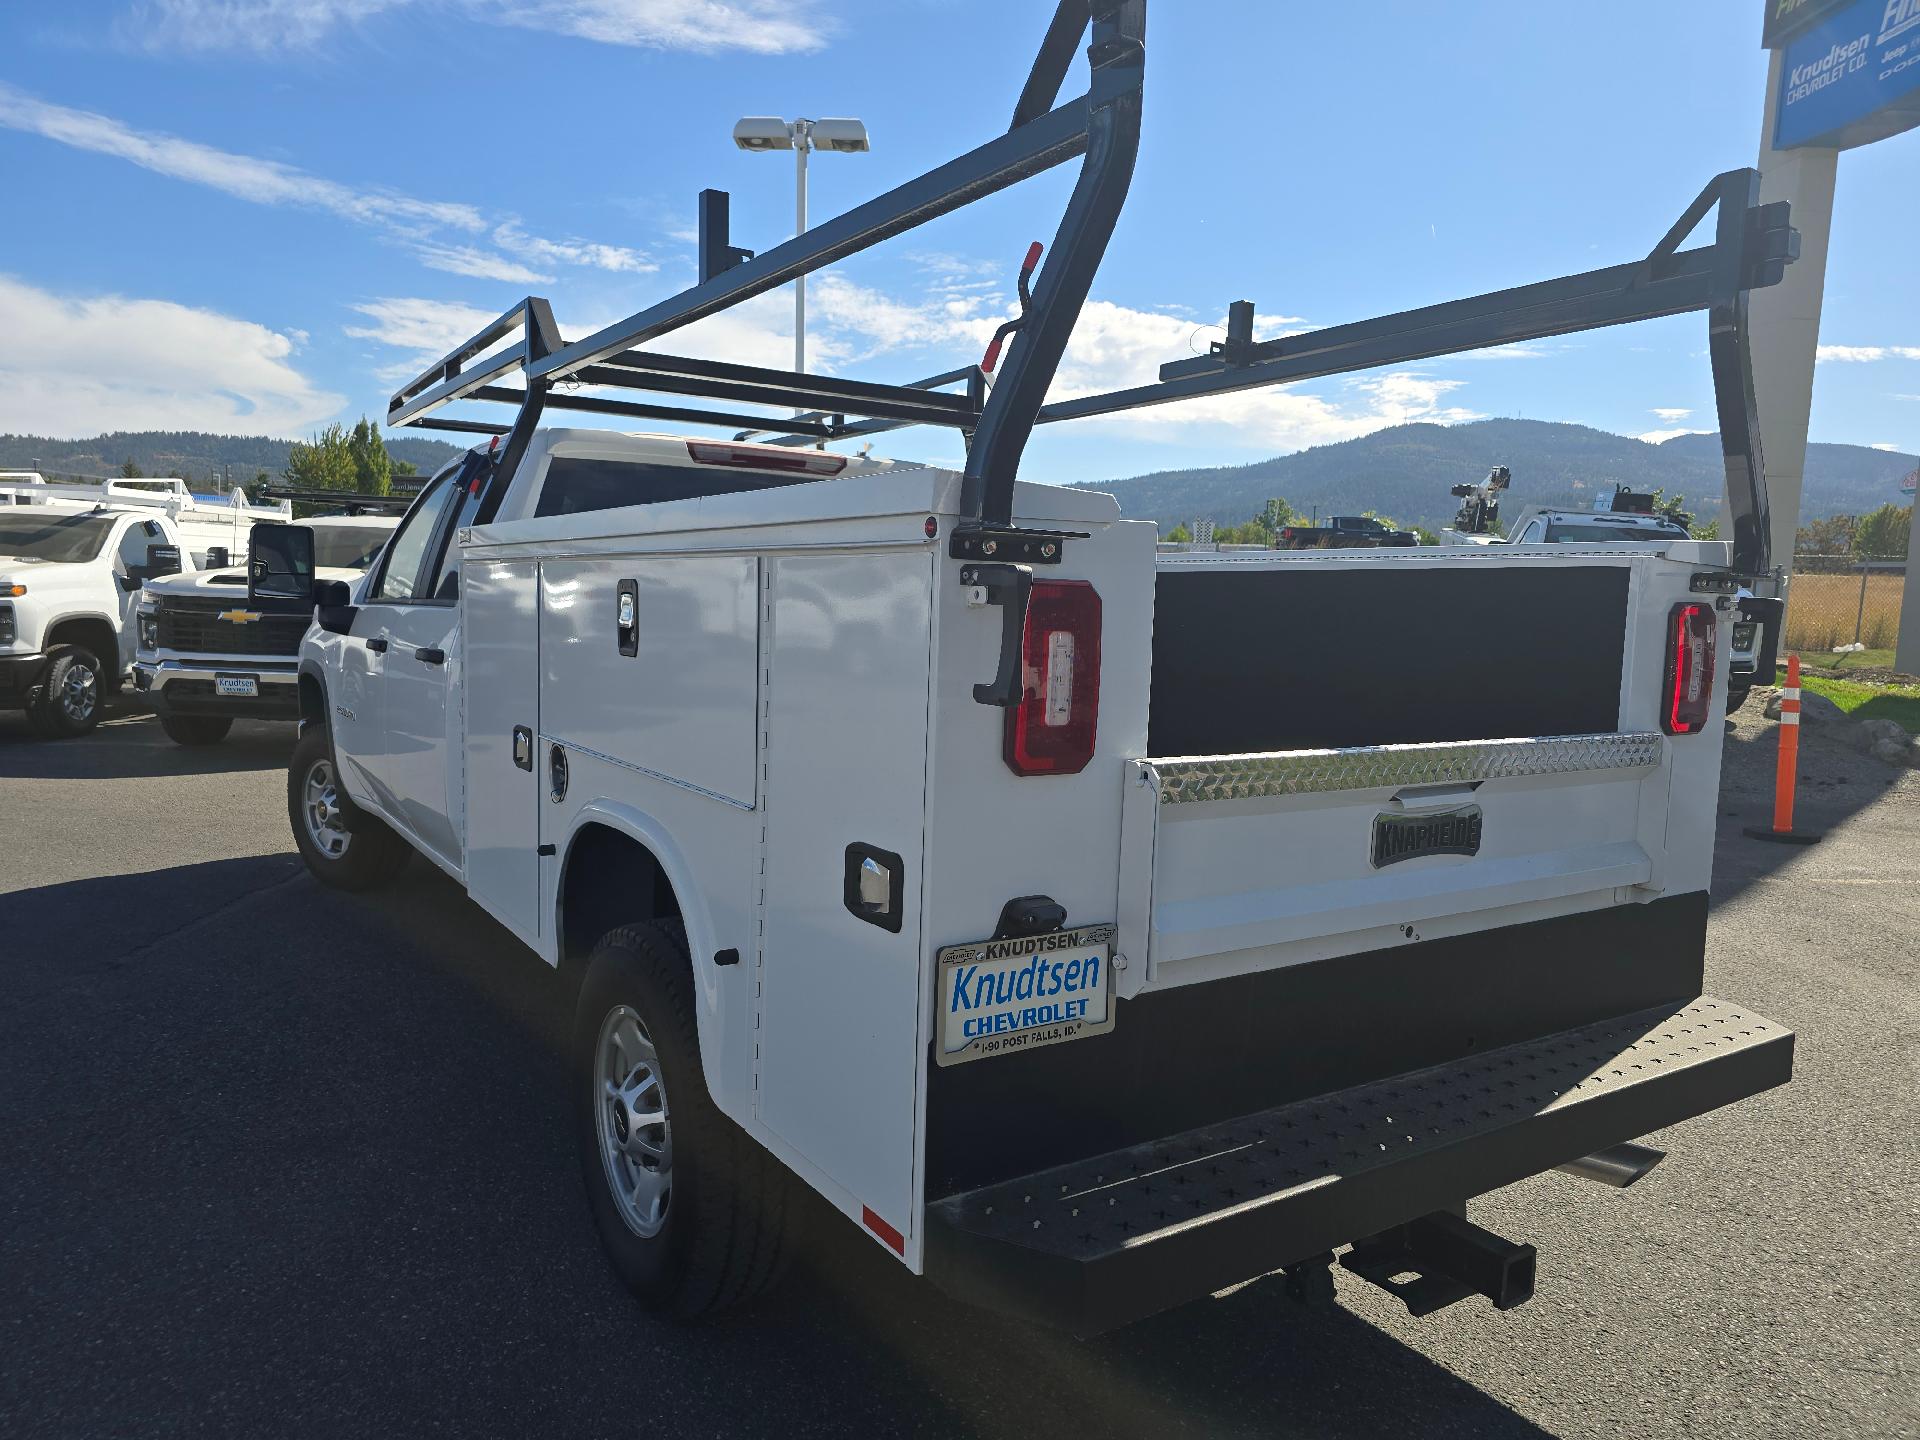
(72, 694)
(1737, 696)
(196, 729)
(369, 853)
(722, 1238)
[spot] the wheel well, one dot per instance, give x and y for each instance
(97, 635)
(610, 879)
(313, 701)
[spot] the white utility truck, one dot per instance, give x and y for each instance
(1093, 930)
(206, 657)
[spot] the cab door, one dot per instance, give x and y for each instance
(410, 618)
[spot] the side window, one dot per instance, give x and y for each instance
(134, 541)
(400, 572)
(445, 582)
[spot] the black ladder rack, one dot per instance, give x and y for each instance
(1751, 246)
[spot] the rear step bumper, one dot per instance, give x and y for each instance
(1101, 1242)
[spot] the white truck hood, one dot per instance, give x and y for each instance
(228, 582)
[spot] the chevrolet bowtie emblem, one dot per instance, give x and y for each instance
(239, 617)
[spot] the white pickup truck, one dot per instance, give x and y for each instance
(206, 657)
(1093, 930)
(70, 576)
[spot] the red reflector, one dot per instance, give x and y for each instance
(891, 1237)
(1690, 661)
(1051, 730)
(765, 457)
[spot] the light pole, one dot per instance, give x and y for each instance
(769, 132)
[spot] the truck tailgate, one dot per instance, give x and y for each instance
(1223, 855)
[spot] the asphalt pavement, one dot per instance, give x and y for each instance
(275, 1161)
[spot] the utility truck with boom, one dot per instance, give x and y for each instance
(915, 835)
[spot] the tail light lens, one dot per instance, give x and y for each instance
(1689, 690)
(1051, 730)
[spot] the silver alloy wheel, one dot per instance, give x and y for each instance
(636, 1141)
(326, 827)
(79, 692)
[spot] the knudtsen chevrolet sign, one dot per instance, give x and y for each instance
(1852, 78)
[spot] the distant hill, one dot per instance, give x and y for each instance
(189, 454)
(1405, 472)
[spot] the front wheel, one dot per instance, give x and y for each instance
(343, 846)
(691, 1210)
(196, 729)
(70, 698)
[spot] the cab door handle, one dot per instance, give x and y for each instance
(432, 657)
(377, 645)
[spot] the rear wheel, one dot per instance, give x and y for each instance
(70, 695)
(691, 1210)
(196, 729)
(343, 846)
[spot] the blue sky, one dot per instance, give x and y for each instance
(256, 215)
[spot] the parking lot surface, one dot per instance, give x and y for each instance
(276, 1161)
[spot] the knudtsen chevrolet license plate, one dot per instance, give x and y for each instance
(236, 685)
(998, 996)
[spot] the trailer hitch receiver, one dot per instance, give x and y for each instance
(1441, 1258)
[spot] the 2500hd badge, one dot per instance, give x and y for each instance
(998, 996)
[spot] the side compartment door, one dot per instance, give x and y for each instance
(846, 761)
(502, 675)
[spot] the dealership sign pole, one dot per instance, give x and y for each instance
(1844, 73)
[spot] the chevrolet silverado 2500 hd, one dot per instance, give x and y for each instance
(915, 835)
(207, 657)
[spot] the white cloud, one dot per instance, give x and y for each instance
(437, 232)
(477, 264)
(76, 366)
(509, 236)
(767, 27)
(1660, 437)
(1886, 445)
(1866, 354)
(1672, 414)
(1507, 352)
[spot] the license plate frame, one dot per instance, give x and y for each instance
(1072, 1003)
(236, 687)
(1399, 836)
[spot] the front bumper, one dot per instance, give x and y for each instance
(186, 687)
(20, 677)
(1104, 1241)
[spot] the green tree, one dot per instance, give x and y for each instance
(1831, 536)
(372, 466)
(1670, 507)
(1883, 533)
(129, 470)
(404, 467)
(260, 478)
(1425, 536)
(1708, 531)
(324, 463)
(1180, 535)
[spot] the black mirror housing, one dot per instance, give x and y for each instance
(162, 560)
(280, 563)
(333, 606)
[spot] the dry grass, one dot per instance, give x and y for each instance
(1822, 609)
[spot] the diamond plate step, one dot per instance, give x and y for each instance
(1101, 1241)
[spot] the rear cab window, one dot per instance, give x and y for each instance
(575, 485)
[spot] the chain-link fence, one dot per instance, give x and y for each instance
(1836, 600)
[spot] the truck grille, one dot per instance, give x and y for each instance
(194, 627)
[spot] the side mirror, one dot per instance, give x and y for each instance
(280, 562)
(218, 557)
(162, 560)
(333, 606)
(132, 580)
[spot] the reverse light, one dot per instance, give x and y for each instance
(1051, 731)
(765, 457)
(1688, 694)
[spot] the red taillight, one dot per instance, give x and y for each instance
(765, 457)
(1690, 659)
(1050, 732)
